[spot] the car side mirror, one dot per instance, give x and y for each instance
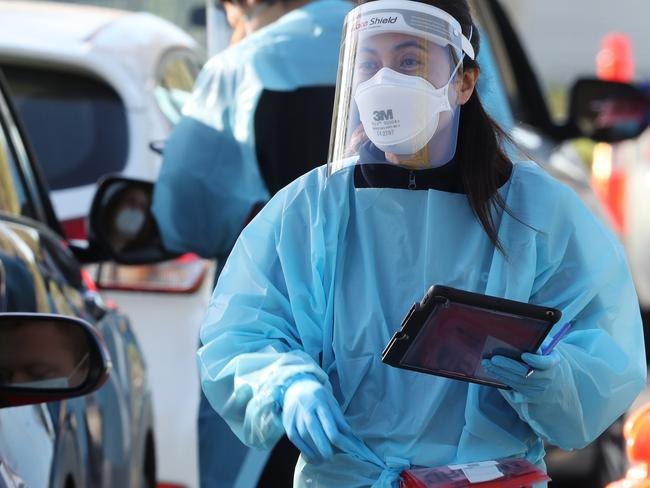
(607, 111)
(46, 358)
(122, 223)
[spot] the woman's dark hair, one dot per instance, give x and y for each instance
(483, 162)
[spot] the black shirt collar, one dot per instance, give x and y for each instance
(373, 171)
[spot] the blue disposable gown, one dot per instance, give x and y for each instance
(322, 277)
(210, 179)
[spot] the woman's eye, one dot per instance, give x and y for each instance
(368, 66)
(410, 62)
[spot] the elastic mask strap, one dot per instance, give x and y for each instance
(445, 89)
(458, 65)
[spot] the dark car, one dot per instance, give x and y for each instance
(102, 439)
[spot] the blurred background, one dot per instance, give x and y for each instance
(562, 38)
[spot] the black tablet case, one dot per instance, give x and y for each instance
(450, 331)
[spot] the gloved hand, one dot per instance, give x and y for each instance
(313, 419)
(513, 373)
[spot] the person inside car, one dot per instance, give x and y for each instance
(43, 355)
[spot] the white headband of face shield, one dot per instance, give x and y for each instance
(409, 17)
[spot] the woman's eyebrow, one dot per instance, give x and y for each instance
(406, 44)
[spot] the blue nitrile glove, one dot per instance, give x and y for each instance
(513, 373)
(313, 419)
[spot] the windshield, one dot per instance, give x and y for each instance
(77, 124)
(177, 74)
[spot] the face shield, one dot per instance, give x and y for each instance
(396, 99)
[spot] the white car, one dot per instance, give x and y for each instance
(114, 80)
(94, 88)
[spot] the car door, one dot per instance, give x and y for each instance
(97, 439)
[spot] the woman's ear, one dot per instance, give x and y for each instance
(467, 84)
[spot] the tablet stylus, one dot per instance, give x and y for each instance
(546, 350)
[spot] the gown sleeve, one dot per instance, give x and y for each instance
(209, 180)
(264, 324)
(582, 270)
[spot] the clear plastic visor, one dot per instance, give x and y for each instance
(396, 98)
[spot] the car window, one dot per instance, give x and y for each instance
(76, 123)
(13, 196)
(177, 73)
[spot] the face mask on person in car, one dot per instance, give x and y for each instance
(130, 220)
(60, 383)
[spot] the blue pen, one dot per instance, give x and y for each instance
(546, 350)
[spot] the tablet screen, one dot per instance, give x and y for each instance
(456, 337)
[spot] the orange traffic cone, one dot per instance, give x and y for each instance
(615, 60)
(637, 439)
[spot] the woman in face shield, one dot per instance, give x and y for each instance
(418, 191)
